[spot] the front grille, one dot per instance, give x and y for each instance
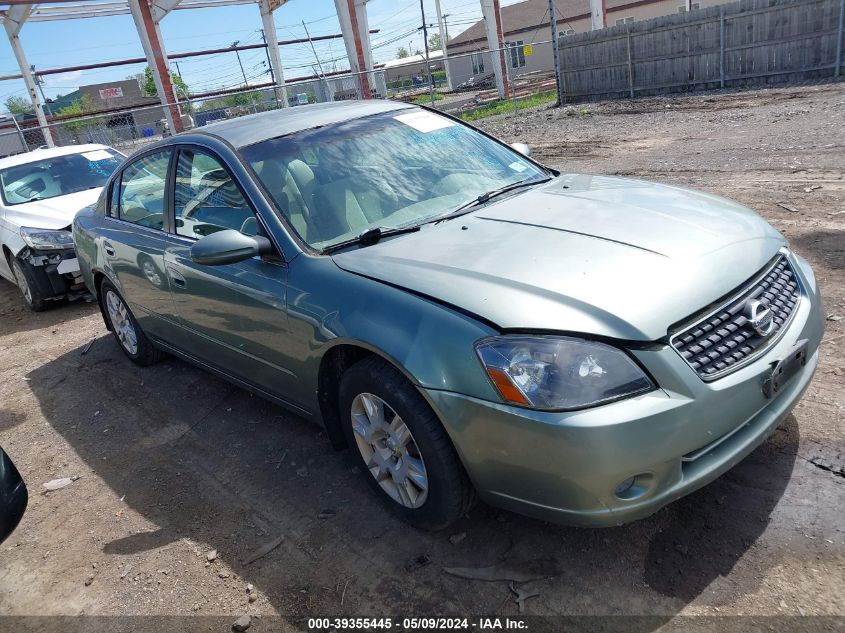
(725, 339)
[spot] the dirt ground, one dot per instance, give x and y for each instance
(174, 463)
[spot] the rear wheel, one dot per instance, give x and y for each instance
(405, 452)
(27, 285)
(126, 330)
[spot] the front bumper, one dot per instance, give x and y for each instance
(56, 272)
(565, 467)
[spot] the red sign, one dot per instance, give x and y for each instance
(111, 93)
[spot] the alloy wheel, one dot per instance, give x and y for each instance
(389, 450)
(121, 322)
(23, 284)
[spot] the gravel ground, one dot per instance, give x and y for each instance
(173, 463)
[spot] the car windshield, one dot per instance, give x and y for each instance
(57, 176)
(390, 170)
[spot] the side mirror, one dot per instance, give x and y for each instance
(229, 247)
(13, 496)
(522, 148)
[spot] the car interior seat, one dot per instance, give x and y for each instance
(349, 205)
(291, 185)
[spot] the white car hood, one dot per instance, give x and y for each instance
(52, 213)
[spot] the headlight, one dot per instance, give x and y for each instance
(557, 372)
(47, 239)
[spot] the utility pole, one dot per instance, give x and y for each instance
(40, 83)
(427, 60)
(267, 52)
(234, 44)
(446, 25)
(444, 43)
(329, 92)
(561, 96)
(270, 65)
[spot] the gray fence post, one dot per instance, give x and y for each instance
(630, 62)
(722, 46)
(561, 97)
(838, 67)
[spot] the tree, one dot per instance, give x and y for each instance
(78, 108)
(148, 86)
(18, 105)
(402, 53)
(434, 43)
(253, 97)
(242, 99)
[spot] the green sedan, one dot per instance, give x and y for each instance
(465, 321)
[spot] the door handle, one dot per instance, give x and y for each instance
(177, 277)
(108, 248)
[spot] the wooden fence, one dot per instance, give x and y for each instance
(731, 45)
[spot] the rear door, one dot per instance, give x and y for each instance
(233, 316)
(133, 241)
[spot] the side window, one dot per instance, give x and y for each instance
(207, 200)
(142, 185)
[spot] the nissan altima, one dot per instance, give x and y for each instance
(468, 322)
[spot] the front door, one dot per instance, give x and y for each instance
(233, 316)
(134, 240)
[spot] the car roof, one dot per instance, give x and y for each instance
(254, 128)
(47, 152)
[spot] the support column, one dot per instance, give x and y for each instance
(443, 43)
(15, 18)
(272, 40)
(347, 15)
(598, 14)
(151, 41)
(496, 43)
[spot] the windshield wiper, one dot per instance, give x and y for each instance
(372, 236)
(488, 195)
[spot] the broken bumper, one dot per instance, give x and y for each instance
(624, 461)
(56, 273)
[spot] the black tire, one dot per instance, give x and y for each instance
(450, 494)
(28, 285)
(143, 352)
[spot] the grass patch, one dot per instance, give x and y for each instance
(502, 107)
(426, 98)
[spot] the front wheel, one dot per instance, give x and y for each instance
(405, 452)
(27, 285)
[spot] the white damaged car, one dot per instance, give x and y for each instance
(41, 192)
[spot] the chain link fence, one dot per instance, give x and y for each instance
(132, 128)
(791, 40)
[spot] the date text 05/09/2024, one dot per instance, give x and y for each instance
(418, 624)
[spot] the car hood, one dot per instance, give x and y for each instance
(593, 254)
(52, 213)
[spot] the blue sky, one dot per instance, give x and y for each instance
(75, 42)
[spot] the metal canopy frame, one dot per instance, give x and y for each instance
(147, 14)
(74, 9)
